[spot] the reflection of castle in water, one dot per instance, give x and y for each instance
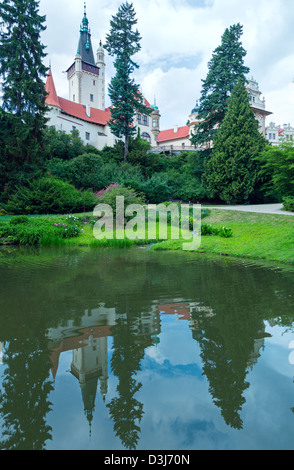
(88, 341)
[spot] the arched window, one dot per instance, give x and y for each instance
(146, 136)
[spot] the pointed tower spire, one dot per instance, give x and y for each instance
(85, 49)
(52, 98)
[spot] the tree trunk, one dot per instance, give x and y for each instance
(126, 149)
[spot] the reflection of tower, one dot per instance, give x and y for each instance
(89, 364)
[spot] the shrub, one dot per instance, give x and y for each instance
(288, 203)
(41, 230)
(19, 219)
(130, 196)
(157, 188)
(207, 229)
(50, 195)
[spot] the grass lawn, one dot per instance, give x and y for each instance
(256, 236)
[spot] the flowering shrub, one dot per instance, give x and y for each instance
(69, 230)
(108, 188)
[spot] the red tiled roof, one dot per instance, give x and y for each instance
(52, 98)
(79, 111)
(97, 116)
(170, 134)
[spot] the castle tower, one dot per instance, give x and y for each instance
(101, 79)
(257, 104)
(155, 117)
(85, 78)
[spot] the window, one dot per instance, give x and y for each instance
(146, 137)
(73, 128)
(87, 135)
(274, 136)
(155, 122)
(74, 97)
(94, 82)
(91, 97)
(139, 118)
(145, 121)
(270, 136)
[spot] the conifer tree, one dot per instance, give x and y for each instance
(231, 174)
(22, 72)
(224, 69)
(123, 42)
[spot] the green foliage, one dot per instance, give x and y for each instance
(49, 195)
(19, 219)
(40, 231)
(156, 188)
(207, 229)
(224, 70)
(59, 144)
(232, 173)
(22, 74)
(288, 203)
(123, 42)
(277, 169)
(130, 197)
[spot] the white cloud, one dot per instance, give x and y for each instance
(178, 39)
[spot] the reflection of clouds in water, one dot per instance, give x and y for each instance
(175, 332)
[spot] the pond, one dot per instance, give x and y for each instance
(138, 350)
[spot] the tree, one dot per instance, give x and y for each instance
(277, 164)
(22, 73)
(123, 42)
(232, 172)
(224, 69)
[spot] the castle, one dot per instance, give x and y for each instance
(85, 109)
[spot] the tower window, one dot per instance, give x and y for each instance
(146, 137)
(94, 82)
(91, 97)
(74, 97)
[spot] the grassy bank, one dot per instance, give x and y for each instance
(255, 236)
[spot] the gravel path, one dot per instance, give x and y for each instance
(261, 208)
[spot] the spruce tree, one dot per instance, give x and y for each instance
(231, 174)
(22, 72)
(224, 69)
(123, 42)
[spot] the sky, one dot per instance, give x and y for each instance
(178, 39)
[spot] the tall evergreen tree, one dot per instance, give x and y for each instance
(231, 174)
(224, 69)
(123, 42)
(22, 72)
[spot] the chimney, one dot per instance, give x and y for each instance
(176, 128)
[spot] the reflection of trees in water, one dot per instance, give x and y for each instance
(128, 351)
(24, 399)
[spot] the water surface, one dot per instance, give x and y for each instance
(133, 349)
